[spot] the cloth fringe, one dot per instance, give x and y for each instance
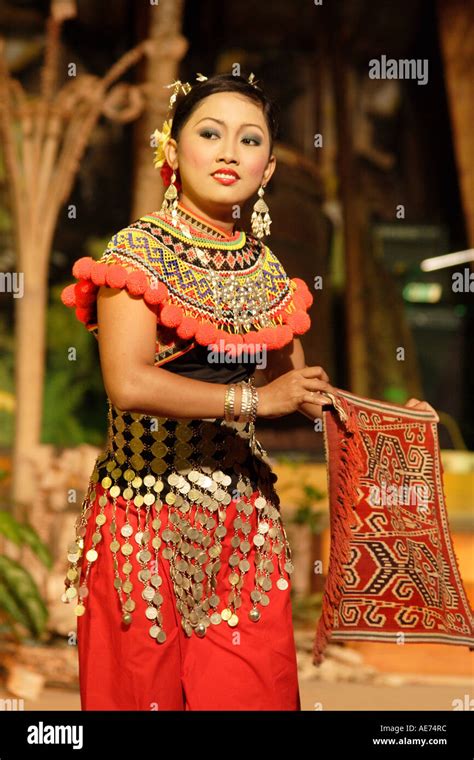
(348, 474)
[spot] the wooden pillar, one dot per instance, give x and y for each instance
(161, 68)
(353, 217)
(456, 33)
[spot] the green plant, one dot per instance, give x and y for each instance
(306, 514)
(313, 518)
(74, 400)
(20, 600)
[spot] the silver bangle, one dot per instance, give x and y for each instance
(229, 401)
(246, 404)
(249, 404)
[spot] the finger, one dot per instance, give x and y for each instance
(324, 375)
(310, 372)
(317, 386)
(316, 398)
(422, 406)
(428, 408)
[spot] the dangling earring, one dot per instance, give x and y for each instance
(170, 200)
(260, 220)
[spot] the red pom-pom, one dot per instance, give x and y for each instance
(254, 344)
(299, 322)
(98, 273)
(283, 336)
(85, 293)
(155, 308)
(299, 301)
(171, 315)
(83, 315)
(68, 295)
(206, 333)
(137, 283)
(82, 268)
(233, 343)
(89, 287)
(222, 335)
(156, 293)
(250, 337)
(187, 328)
(264, 337)
(270, 337)
(234, 339)
(116, 276)
(303, 291)
(286, 334)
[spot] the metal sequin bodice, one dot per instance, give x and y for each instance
(139, 444)
(194, 469)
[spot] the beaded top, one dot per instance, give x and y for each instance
(203, 284)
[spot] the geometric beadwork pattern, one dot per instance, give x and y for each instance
(145, 244)
(393, 574)
(203, 286)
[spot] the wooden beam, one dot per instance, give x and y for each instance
(353, 218)
(456, 33)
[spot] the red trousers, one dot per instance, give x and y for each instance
(121, 667)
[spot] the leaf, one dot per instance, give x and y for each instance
(9, 604)
(32, 539)
(10, 528)
(24, 533)
(20, 584)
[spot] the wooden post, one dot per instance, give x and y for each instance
(168, 47)
(353, 220)
(456, 32)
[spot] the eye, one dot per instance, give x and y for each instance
(208, 132)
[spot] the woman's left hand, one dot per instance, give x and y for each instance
(422, 406)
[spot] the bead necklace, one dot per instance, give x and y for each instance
(245, 300)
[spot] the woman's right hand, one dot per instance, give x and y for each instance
(288, 392)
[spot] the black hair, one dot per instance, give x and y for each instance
(186, 104)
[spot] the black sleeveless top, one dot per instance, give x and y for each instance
(195, 364)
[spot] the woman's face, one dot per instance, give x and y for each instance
(225, 131)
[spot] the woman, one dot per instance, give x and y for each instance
(186, 307)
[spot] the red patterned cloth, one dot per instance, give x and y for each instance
(393, 574)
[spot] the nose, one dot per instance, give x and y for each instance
(227, 153)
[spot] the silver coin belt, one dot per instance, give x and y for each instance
(192, 468)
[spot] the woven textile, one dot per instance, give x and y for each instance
(393, 574)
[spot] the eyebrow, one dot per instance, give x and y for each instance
(223, 122)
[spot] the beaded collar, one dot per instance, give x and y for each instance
(201, 283)
(192, 236)
(201, 227)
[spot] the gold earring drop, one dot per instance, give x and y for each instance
(260, 220)
(170, 200)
